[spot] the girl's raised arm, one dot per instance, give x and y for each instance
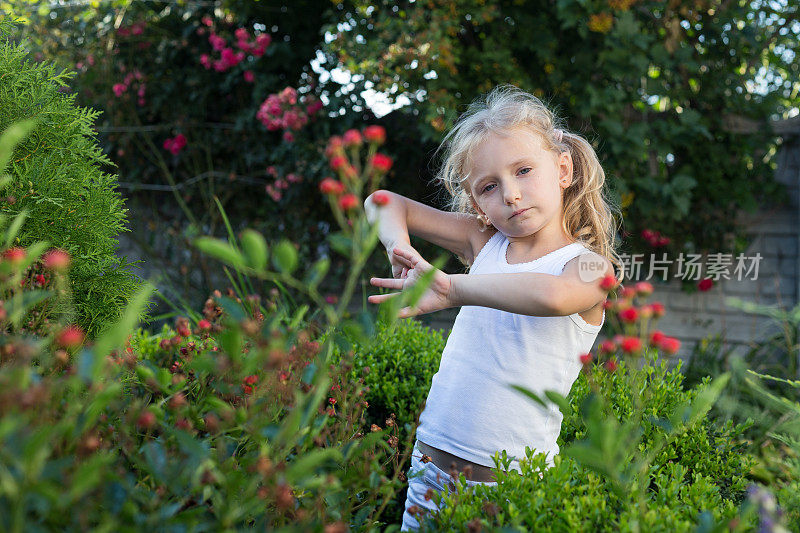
(456, 232)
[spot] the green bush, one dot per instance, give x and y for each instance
(56, 179)
(699, 476)
(401, 362)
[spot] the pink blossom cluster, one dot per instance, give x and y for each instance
(175, 144)
(274, 190)
(137, 28)
(229, 58)
(122, 88)
(282, 111)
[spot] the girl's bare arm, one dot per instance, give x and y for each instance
(456, 232)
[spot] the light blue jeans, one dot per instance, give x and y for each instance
(424, 476)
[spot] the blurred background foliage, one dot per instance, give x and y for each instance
(677, 98)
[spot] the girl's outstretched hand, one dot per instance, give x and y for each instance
(436, 297)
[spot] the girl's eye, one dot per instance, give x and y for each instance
(526, 168)
(487, 187)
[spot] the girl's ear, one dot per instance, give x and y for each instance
(565, 169)
(475, 205)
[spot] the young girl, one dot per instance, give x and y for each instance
(532, 222)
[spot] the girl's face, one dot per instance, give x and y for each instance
(513, 171)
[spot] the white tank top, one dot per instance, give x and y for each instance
(470, 411)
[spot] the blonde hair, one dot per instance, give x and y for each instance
(588, 215)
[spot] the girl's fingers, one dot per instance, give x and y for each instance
(389, 283)
(379, 298)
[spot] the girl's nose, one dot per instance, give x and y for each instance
(512, 194)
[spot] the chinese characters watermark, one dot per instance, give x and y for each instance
(687, 267)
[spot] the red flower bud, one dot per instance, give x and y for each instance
(375, 134)
(705, 284)
(658, 309)
(627, 292)
(381, 162)
(331, 186)
(338, 162)
(611, 365)
(629, 316)
(656, 337)
(631, 345)
(348, 201)
(644, 288)
(608, 283)
(204, 325)
(335, 146)
(670, 345)
(380, 198)
(607, 346)
(352, 138)
(586, 359)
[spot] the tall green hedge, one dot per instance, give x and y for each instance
(57, 178)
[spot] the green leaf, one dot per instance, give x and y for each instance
(16, 225)
(88, 475)
(317, 272)
(114, 336)
(301, 467)
(220, 250)
(529, 393)
(28, 300)
(284, 257)
(341, 243)
(255, 249)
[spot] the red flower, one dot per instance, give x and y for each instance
(375, 134)
(611, 365)
(40, 279)
(176, 144)
(70, 337)
(15, 255)
(663, 241)
(381, 162)
(658, 309)
(204, 325)
(56, 259)
(705, 284)
(656, 337)
(670, 345)
(629, 315)
(631, 345)
(352, 138)
(251, 380)
(644, 288)
(332, 401)
(331, 186)
(648, 235)
(349, 172)
(249, 77)
(348, 201)
(119, 89)
(380, 198)
(608, 283)
(607, 346)
(586, 358)
(338, 162)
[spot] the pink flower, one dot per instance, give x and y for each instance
(205, 60)
(56, 260)
(658, 309)
(119, 89)
(249, 77)
(217, 42)
(70, 337)
(176, 144)
(288, 136)
(644, 288)
(242, 34)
